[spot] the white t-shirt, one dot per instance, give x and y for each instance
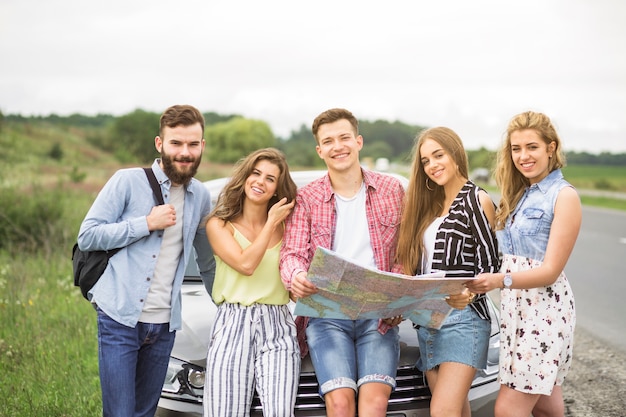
(352, 235)
(430, 235)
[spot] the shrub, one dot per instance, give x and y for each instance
(603, 184)
(76, 175)
(34, 218)
(56, 152)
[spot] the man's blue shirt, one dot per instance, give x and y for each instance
(117, 219)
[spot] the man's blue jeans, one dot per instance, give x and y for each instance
(133, 363)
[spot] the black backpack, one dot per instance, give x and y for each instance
(90, 265)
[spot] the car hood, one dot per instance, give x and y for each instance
(198, 316)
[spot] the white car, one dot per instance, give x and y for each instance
(183, 388)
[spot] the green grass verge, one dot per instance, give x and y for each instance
(604, 202)
(596, 177)
(48, 344)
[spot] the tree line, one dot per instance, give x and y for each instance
(231, 136)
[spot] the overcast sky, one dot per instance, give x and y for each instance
(468, 65)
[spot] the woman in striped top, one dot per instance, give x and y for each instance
(447, 226)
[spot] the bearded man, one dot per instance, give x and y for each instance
(138, 297)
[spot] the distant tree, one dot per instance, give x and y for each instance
(299, 148)
(604, 158)
(481, 158)
(80, 120)
(399, 136)
(212, 118)
(376, 149)
(232, 140)
(303, 134)
(131, 137)
(300, 154)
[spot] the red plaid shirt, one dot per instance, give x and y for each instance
(313, 222)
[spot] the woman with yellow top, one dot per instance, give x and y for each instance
(253, 343)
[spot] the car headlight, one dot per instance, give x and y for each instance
(184, 381)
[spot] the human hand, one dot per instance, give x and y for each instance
(461, 300)
(161, 217)
(279, 211)
(393, 321)
(301, 286)
(483, 283)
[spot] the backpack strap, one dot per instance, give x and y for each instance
(156, 187)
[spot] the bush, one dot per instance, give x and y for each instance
(76, 175)
(35, 218)
(604, 184)
(56, 152)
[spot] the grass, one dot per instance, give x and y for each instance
(48, 345)
(604, 202)
(596, 177)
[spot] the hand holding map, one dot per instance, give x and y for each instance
(349, 291)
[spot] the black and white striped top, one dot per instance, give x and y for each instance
(465, 245)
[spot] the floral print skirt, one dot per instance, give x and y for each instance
(537, 332)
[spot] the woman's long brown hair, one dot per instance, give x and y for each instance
(424, 202)
(230, 201)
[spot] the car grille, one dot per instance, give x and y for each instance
(410, 388)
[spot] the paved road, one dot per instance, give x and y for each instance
(596, 383)
(597, 273)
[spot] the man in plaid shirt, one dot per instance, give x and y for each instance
(356, 213)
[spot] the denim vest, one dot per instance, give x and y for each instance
(527, 229)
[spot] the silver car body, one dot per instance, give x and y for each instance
(182, 391)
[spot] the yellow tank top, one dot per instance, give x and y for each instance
(264, 286)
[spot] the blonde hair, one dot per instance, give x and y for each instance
(424, 201)
(511, 182)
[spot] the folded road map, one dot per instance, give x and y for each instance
(349, 291)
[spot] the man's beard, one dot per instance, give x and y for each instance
(174, 173)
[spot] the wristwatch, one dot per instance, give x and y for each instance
(507, 281)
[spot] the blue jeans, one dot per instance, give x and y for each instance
(463, 338)
(349, 353)
(133, 363)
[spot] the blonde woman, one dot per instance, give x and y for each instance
(537, 221)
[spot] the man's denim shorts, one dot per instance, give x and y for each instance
(463, 338)
(349, 353)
